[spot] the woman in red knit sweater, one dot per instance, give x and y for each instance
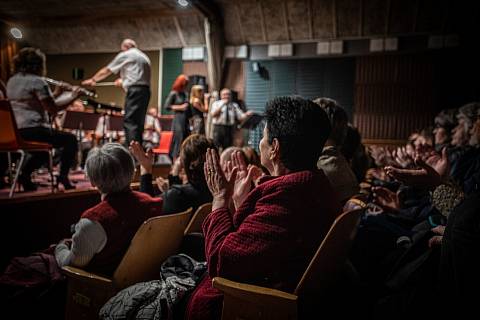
(275, 229)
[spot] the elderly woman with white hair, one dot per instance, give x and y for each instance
(104, 232)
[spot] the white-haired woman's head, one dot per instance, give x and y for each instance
(110, 168)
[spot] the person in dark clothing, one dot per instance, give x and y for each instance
(179, 197)
(32, 104)
(177, 101)
(459, 263)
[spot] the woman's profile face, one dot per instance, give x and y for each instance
(265, 149)
(440, 135)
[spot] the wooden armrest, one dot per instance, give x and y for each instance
(80, 274)
(255, 294)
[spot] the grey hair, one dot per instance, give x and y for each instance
(110, 168)
(469, 113)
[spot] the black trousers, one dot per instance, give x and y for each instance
(136, 104)
(223, 136)
(65, 141)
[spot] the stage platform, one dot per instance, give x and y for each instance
(34, 220)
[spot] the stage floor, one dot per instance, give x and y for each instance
(78, 179)
(42, 179)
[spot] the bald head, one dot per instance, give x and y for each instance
(128, 44)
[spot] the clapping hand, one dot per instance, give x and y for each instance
(144, 158)
(425, 176)
(218, 184)
(244, 178)
(386, 199)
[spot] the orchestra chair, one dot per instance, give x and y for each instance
(156, 240)
(12, 142)
(245, 301)
(195, 224)
(164, 143)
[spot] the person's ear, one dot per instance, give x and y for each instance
(275, 150)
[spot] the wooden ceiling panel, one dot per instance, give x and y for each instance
(348, 18)
(299, 20)
(402, 16)
(374, 21)
(232, 29)
(192, 27)
(275, 23)
(323, 19)
(149, 33)
(169, 32)
(45, 9)
(431, 16)
(251, 20)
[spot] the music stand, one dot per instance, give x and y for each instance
(78, 120)
(251, 122)
(112, 123)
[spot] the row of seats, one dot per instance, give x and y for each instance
(160, 237)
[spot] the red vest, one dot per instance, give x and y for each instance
(121, 215)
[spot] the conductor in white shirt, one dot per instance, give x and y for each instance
(134, 68)
(225, 116)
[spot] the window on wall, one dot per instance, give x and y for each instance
(310, 78)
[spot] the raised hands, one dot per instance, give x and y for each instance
(244, 177)
(437, 239)
(144, 158)
(424, 177)
(218, 184)
(386, 199)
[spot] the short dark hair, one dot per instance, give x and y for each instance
(301, 128)
(338, 119)
(446, 119)
(30, 60)
(192, 155)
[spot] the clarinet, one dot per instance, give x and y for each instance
(68, 86)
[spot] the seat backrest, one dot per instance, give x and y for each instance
(195, 224)
(156, 240)
(8, 126)
(332, 254)
(165, 142)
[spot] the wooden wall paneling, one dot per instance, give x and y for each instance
(235, 77)
(195, 68)
(393, 95)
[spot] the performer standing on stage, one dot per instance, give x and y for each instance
(31, 99)
(226, 114)
(177, 101)
(134, 67)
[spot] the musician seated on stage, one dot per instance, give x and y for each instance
(152, 129)
(104, 133)
(32, 103)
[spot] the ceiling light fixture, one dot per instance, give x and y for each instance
(16, 33)
(183, 3)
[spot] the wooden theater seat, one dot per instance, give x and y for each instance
(195, 224)
(244, 301)
(156, 240)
